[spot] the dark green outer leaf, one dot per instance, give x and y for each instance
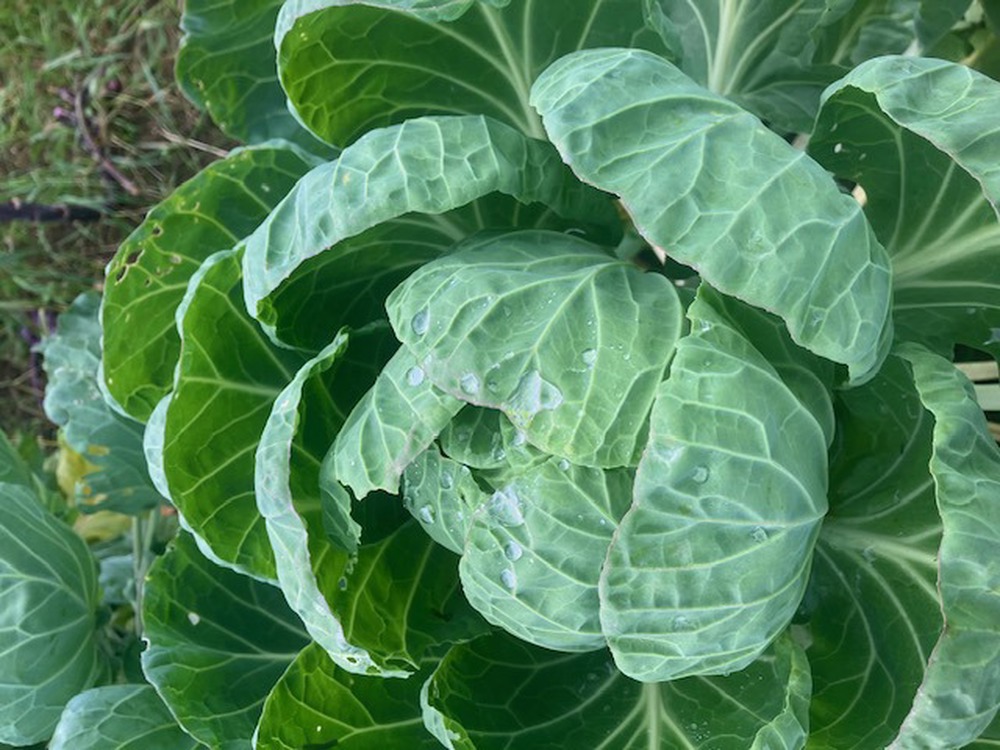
(217, 643)
(381, 62)
(709, 564)
(147, 277)
(759, 53)
(871, 611)
(48, 604)
(549, 329)
(499, 693)
(401, 600)
(431, 166)
(317, 705)
(119, 717)
(709, 184)
(960, 693)
(226, 65)
(920, 136)
(227, 379)
(108, 440)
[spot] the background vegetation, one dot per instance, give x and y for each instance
(90, 117)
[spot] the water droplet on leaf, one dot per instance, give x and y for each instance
(513, 551)
(700, 475)
(447, 480)
(415, 376)
(426, 514)
(469, 384)
(421, 321)
(508, 578)
(589, 357)
(759, 534)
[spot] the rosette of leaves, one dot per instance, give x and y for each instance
(571, 404)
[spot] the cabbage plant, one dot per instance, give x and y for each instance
(567, 374)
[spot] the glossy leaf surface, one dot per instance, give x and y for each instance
(498, 693)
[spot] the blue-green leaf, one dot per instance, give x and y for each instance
(709, 564)
(48, 617)
(708, 183)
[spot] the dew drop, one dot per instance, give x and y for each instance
(589, 357)
(342, 584)
(499, 454)
(426, 514)
(194, 618)
(564, 464)
(519, 439)
(505, 507)
(513, 551)
(421, 321)
(681, 623)
(534, 394)
(869, 554)
(447, 480)
(469, 384)
(759, 534)
(508, 578)
(700, 475)
(415, 376)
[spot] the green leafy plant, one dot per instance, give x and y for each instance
(582, 376)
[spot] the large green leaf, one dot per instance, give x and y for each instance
(226, 65)
(759, 53)
(228, 377)
(148, 275)
(217, 642)
(380, 62)
(395, 421)
(48, 620)
(318, 705)
(363, 247)
(498, 693)
(109, 441)
(705, 181)
(709, 564)
(534, 552)
(921, 137)
(960, 692)
(871, 611)
(119, 717)
(567, 341)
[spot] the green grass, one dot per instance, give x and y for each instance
(113, 62)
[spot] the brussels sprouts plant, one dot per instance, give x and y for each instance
(564, 374)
